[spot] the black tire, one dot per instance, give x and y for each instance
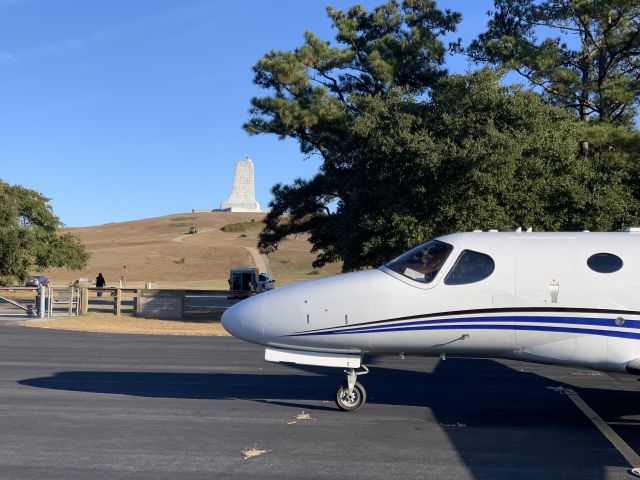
(350, 403)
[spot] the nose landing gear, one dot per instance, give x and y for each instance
(352, 395)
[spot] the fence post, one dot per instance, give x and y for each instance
(71, 295)
(41, 301)
(118, 303)
(135, 303)
(84, 300)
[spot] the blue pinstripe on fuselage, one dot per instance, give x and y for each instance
(564, 324)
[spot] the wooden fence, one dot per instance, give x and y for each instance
(198, 305)
(201, 305)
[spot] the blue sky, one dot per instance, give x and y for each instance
(119, 110)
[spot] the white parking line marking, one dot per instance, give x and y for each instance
(623, 447)
(626, 424)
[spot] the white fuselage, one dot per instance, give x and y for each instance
(542, 302)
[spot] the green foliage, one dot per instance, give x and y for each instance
(28, 236)
(592, 66)
(477, 155)
(315, 100)
(410, 153)
(241, 226)
(513, 161)
(618, 146)
(312, 86)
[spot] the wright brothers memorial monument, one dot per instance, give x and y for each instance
(243, 194)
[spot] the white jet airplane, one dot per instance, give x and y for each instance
(557, 298)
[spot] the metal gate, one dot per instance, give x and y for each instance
(42, 302)
(18, 301)
(62, 301)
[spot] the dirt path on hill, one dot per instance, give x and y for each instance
(153, 249)
(181, 238)
(259, 260)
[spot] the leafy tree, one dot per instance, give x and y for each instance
(475, 155)
(409, 152)
(28, 236)
(312, 86)
(591, 67)
(315, 89)
(513, 161)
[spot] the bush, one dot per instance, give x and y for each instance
(242, 226)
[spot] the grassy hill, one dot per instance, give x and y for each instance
(160, 250)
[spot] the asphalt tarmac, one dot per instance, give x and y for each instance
(99, 406)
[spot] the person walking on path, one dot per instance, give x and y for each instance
(100, 283)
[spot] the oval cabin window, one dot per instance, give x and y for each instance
(470, 267)
(604, 263)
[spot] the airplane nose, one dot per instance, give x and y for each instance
(244, 320)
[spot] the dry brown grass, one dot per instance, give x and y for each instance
(18, 294)
(107, 323)
(155, 250)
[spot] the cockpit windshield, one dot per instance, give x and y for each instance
(423, 262)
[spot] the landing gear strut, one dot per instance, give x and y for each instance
(352, 395)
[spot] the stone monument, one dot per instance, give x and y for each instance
(243, 193)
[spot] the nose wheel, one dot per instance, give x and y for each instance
(351, 395)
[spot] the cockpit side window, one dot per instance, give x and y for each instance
(422, 263)
(470, 267)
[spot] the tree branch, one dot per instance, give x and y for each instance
(336, 87)
(552, 91)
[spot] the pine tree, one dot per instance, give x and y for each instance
(587, 57)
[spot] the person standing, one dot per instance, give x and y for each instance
(100, 283)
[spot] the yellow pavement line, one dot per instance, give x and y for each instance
(623, 447)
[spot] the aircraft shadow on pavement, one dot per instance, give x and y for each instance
(487, 391)
(503, 423)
